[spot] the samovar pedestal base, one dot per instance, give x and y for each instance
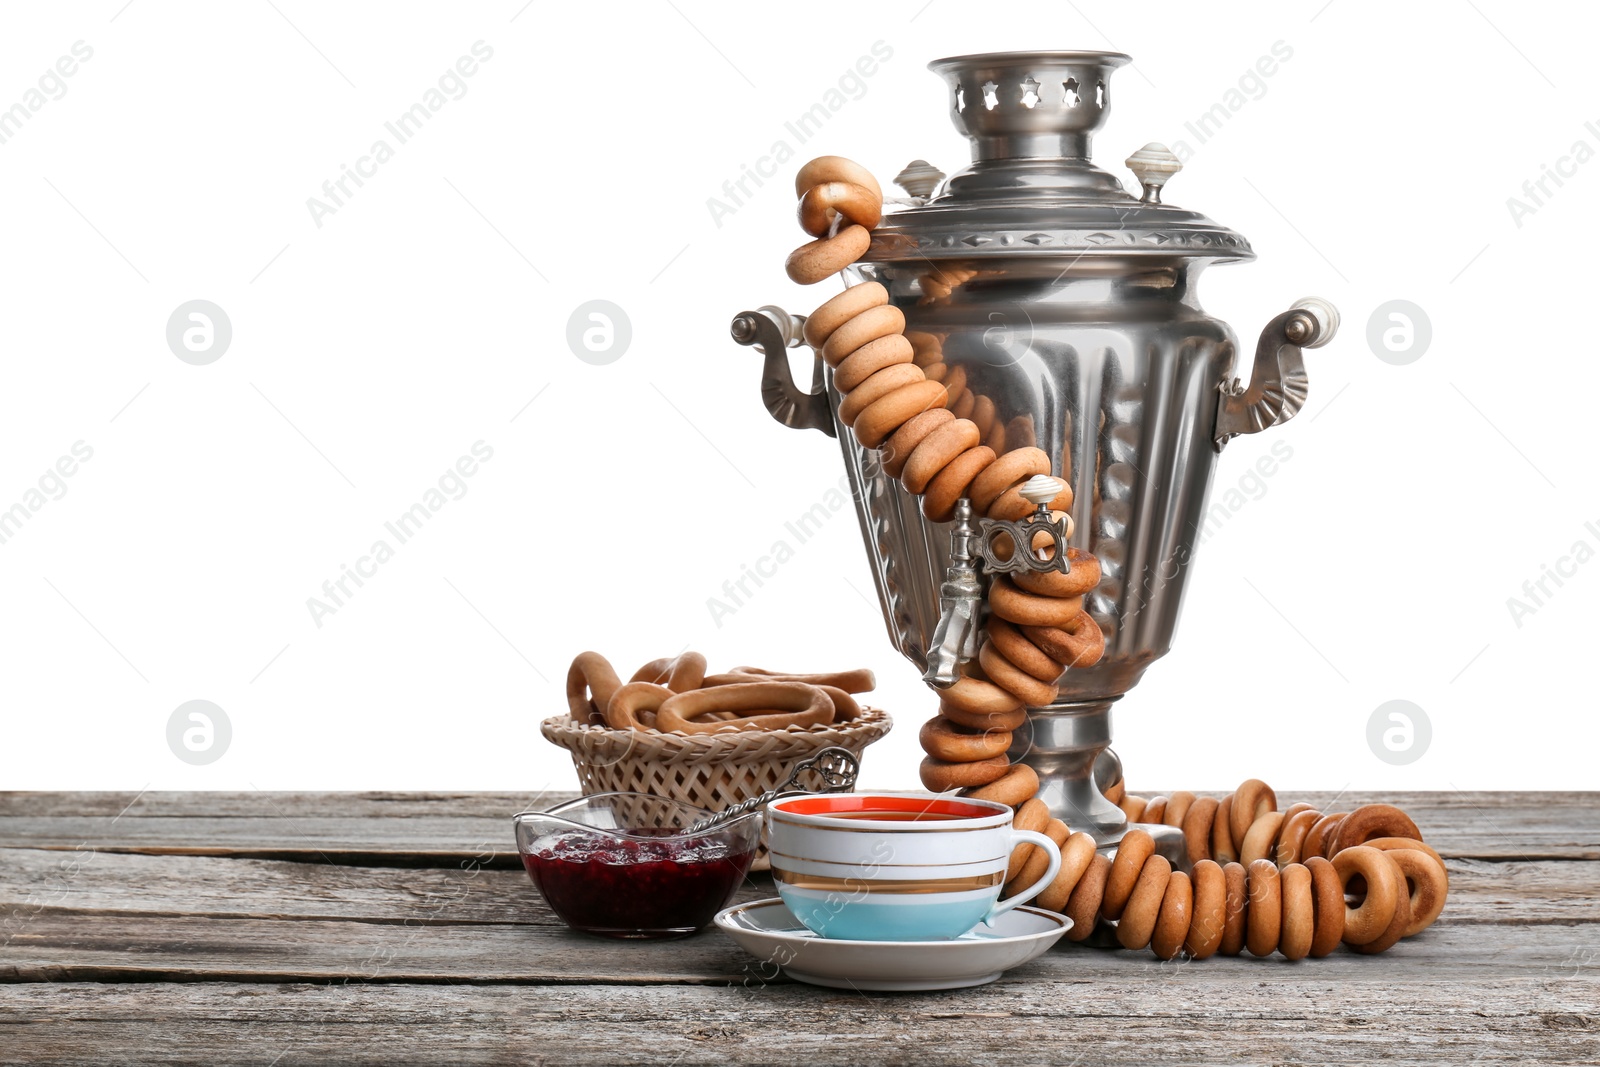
(1062, 743)
(1068, 745)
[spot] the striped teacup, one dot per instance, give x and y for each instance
(896, 866)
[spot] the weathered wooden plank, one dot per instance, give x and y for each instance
(287, 804)
(30, 879)
(58, 945)
(400, 828)
(421, 840)
(1180, 1015)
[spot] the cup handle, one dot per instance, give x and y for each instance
(1054, 851)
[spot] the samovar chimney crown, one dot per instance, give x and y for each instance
(1029, 105)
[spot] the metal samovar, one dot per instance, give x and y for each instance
(1071, 309)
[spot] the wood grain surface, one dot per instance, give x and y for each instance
(284, 928)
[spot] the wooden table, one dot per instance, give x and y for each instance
(285, 928)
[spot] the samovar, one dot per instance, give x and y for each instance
(1071, 308)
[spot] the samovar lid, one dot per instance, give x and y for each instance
(1031, 188)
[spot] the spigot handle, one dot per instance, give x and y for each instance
(1041, 489)
(774, 331)
(1278, 384)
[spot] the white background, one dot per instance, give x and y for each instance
(429, 312)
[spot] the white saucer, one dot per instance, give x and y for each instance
(767, 930)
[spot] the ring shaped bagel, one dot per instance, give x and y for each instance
(950, 484)
(877, 387)
(827, 256)
(1209, 908)
(845, 708)
(1021, 652)
(678, 673)
(1143, 907)
(634, 700)
(936, 450)
(1233, 921)
(591, 682)
(1197, 831)
(1389, 844)
(982, 720)
(758, 705)
(1080, 643)
(1083, 576)
(1327, 898)
(1369, 922)
(1177, 913)
(1031, 609)
(860, 680)
(821, 204)
(835, 169)
(1019, 683)
(1223, 849)
(943, 740)
(871, 358)
(1264, 913)
(884, 416)
(1178, 806)
(1253, 799)
(978, 696)
(1397, 926)
(1293, 836)
(1260, 838)
(1083, 905)
(1133, 851)
(875, 323)
(1321, 835)
(941, 776)
(1428, 886)
(1076, 855)
(841, 309)
(898, 448)
(1374, 820)
(1299, 912)
(1020, 783)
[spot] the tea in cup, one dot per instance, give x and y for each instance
(896, 867)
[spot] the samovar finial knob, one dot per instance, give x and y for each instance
(1153, 165)
(1041, 489)
(919, 179)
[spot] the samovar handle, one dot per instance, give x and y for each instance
(1278, 384)
(775, 331)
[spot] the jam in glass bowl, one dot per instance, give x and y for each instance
(620, 864)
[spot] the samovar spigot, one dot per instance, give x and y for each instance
(956, 637)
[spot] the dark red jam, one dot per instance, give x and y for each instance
(621, 887)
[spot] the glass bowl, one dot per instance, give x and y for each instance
(620, 865)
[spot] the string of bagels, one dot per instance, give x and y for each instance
(1295, 882)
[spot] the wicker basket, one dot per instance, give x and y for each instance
(710, 771)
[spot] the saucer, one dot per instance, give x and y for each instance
(767, 930)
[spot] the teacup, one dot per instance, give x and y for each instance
(896, 866)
